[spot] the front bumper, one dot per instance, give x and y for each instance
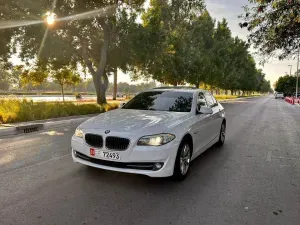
(137, 159)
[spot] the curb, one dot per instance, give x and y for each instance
(37, 126)
(236, 99)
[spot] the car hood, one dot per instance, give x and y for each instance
(135, 121)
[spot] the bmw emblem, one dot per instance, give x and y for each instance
(107, 131)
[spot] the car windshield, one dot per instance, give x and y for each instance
(162, 101)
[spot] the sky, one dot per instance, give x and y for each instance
(230, 10)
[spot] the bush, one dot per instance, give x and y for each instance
(41, 93)
(14, 110)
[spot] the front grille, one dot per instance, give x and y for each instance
(123, 165)
(117, 143)
(94, 140)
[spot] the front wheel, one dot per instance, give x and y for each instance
(222, 135)
(183, 160)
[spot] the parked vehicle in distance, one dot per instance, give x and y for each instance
(279, 95)
(157, 133)
(298, 94)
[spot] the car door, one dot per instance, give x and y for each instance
(200, 126)
(215, 118)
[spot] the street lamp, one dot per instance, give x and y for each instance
(291, 66)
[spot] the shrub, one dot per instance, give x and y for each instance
(14, 110)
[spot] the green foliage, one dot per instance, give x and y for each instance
(4, 79)
(184, 46)
(165, 31)
(33, 78)
(177, 43)
(286, 84)
(86, 32)
(14, 110)
(274, 25)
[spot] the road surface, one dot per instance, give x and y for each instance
(253, 179)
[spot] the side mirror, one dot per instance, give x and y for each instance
(204, 110)
(122, 104)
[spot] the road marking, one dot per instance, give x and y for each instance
(286, 165)
(269, 156)
(280, 157)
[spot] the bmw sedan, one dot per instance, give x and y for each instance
(157, 133)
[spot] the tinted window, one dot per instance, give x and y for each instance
(201, 100)
(161, 101)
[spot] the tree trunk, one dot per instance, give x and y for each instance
(100, 79)
(101, 87)
(226, 92)
(62, 92)
(231, 92)
(115, 84)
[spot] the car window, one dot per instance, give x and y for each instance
(214, 100)
(201, 100)
(209, 99)
(162, 101)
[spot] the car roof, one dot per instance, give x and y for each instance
(177, 89)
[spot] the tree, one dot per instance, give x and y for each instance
(221, 60)
(75, 80)
(199, 51)
(274, 25)
(16, 73)
(164, 30)
(64, 77)
(4, 82)
(83, 33)
(34, 77)
(286, 84)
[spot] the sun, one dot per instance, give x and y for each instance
(50, 19)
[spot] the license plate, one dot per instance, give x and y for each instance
(105, 155)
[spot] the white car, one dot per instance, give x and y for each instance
(157, 133)
(279, 95)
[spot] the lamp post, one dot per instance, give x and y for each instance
(297, 73)
(291, 66)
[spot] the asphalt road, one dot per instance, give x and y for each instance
(253, 179)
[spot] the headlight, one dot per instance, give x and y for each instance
(156, 140)
(78, 133)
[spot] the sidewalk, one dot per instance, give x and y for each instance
(32, 126)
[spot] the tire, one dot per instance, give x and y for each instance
(222, 135)
(275, 97)
(182, 162)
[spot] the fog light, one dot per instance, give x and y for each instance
(158, 166)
